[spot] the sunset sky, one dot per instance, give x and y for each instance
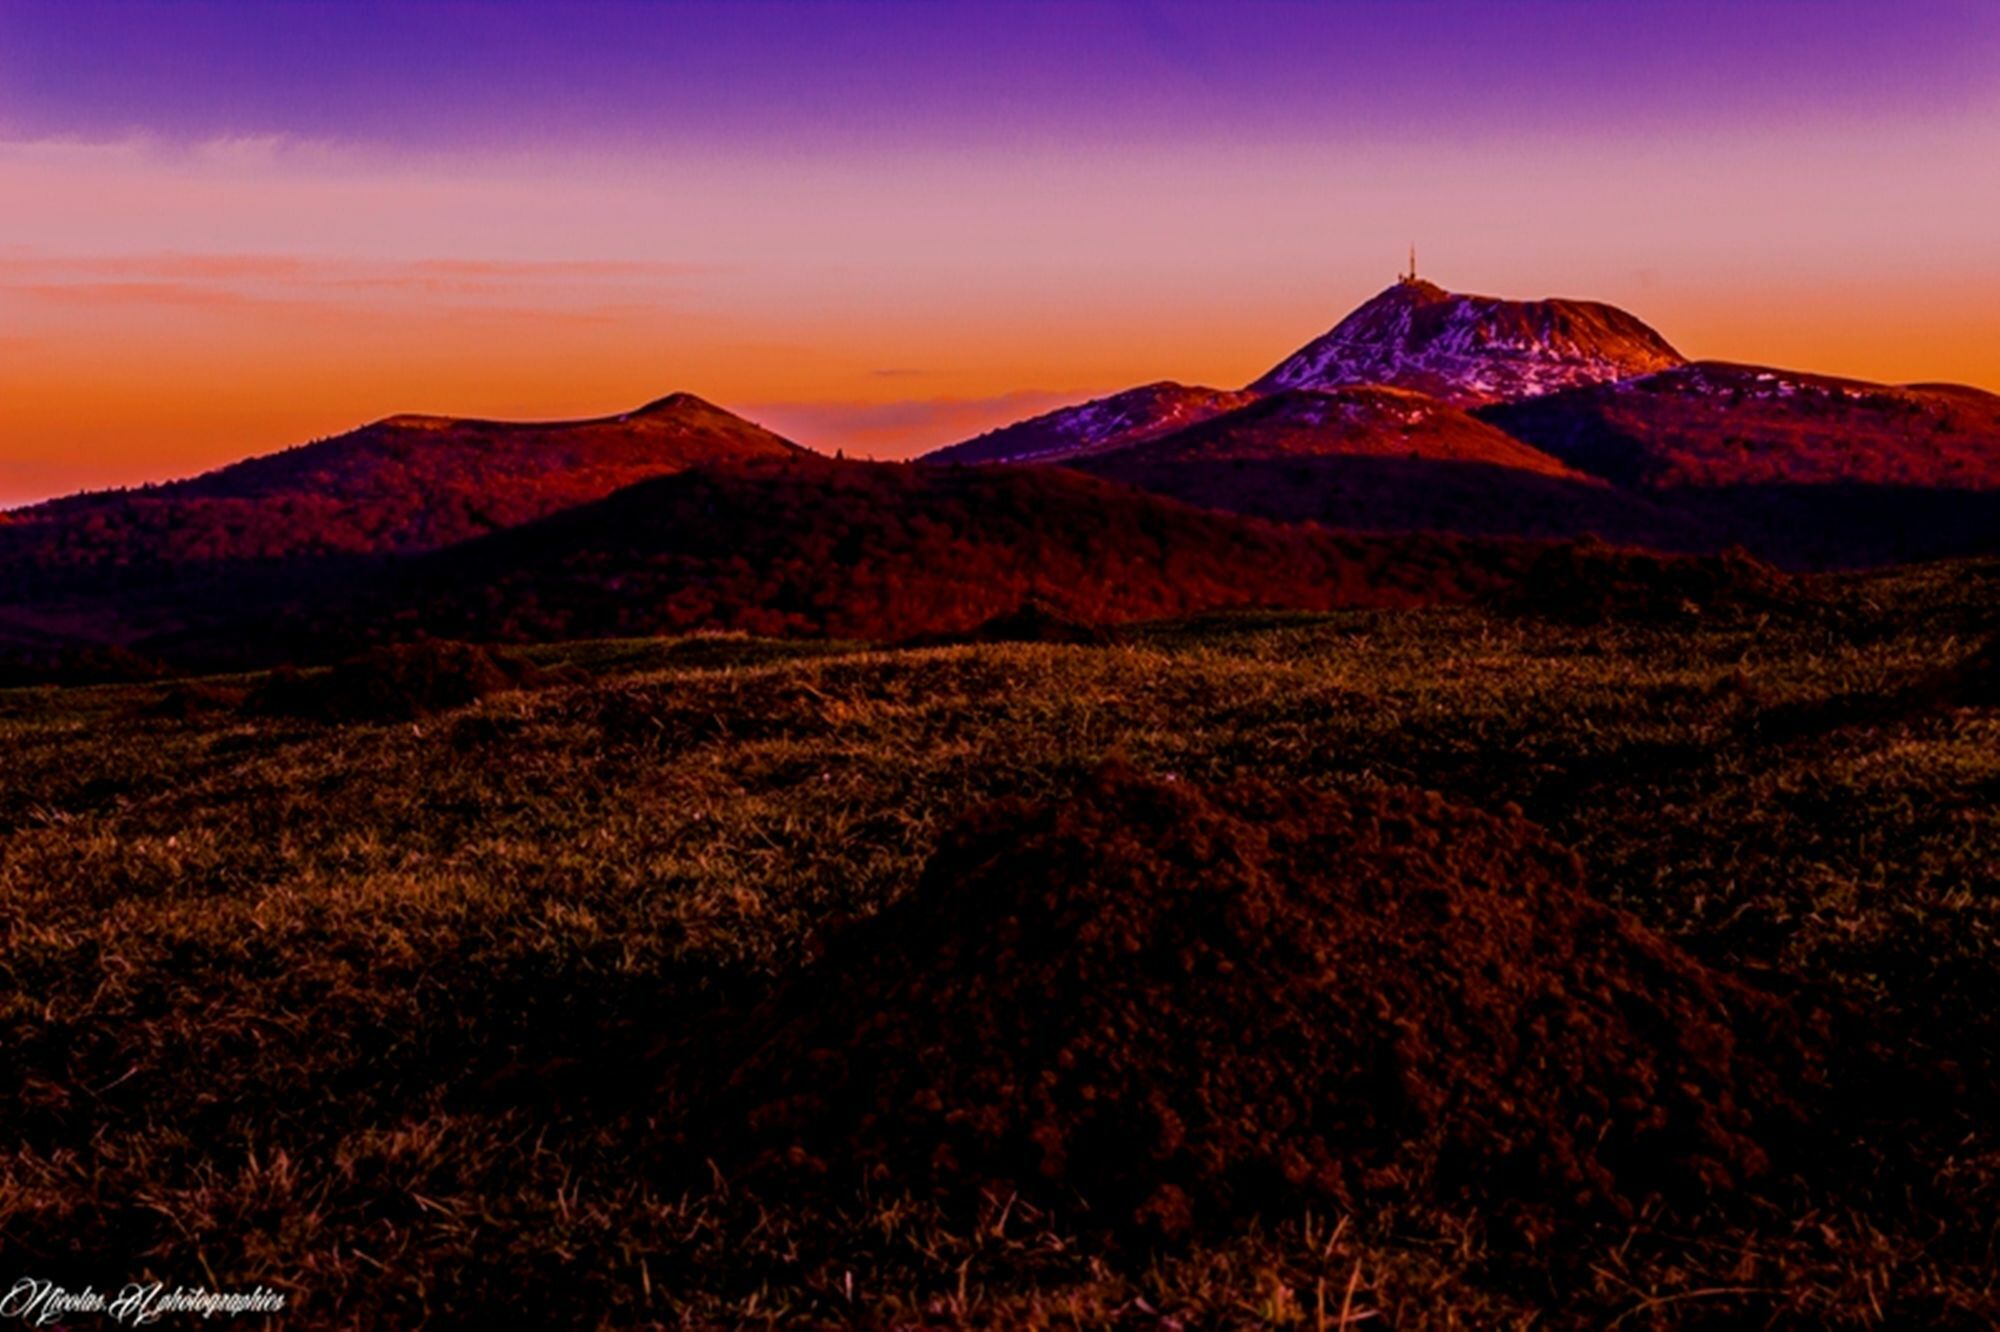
(882, 226)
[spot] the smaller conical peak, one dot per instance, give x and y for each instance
(414, 421)
(671, 404)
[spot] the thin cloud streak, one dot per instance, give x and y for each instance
(19, 260)
(900, 430)
(567, 292)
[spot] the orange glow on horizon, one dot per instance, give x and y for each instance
(164, 312)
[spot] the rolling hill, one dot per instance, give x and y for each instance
(120, 564)
(404, 484)
(889, 552)
(868, 550)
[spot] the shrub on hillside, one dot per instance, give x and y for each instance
(394, 683)
(1588, 582)
(92, 665)
(194, 698)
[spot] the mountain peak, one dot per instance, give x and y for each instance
(1415, 289)
(1471, 350)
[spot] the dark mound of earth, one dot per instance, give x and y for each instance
(1183, 1009)
(1030, 622)
(394, 683)
(1589, 582)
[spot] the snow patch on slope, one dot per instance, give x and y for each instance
(1097, 426)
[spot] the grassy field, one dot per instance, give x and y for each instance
(368, 1012)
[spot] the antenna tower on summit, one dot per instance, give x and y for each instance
(1411, 276)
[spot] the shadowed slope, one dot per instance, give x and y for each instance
(1367, 420)
(1715, 424)
(1391, 494)
(1808, 470)
(1376, 459)
(884, 551)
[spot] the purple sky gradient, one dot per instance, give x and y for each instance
(810, 75)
